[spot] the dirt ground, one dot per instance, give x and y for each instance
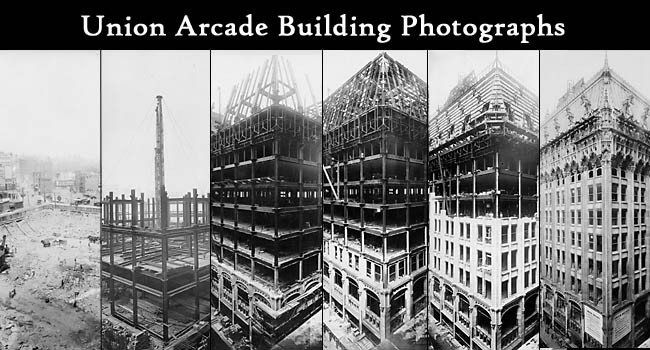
(46, 280)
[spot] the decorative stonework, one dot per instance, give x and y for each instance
(545, 135)
(627, 104)
(569, 114)
(586, 104)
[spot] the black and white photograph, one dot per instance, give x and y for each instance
(340, 200)
(375, 200)
(266, 177)
(483, 161)
(323, 178)
(49, 200)
(594, 175)
(155, 230)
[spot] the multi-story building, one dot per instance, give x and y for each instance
(90, 183)
(374, 202)
(594, 194)
(9, 171)
(483, 212)
(266, 212)
(65, 180)
(9, 165)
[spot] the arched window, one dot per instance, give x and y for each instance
(338, 278)
(372, 302)
(353, 288)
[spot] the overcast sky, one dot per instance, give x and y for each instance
(340, 65)
(446, 68)
(49, 103)
(230, 68)
(561, 67)
(130, 82)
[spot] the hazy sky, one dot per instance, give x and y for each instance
(339, 66)
(230, 68)
(561, 67)
(130, 82)
(49, 103)
(446, 68)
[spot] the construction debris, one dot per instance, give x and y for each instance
(38, 294)
(116, 335)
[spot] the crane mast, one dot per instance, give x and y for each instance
(159, 163)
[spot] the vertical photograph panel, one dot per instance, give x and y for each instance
(155, 239)
(49, 197)
(266, 200)
(594, 183)
(483, 158)
(375, 200)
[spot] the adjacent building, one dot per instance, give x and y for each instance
(374, 204)
(594, 196)
(484, 149)
(86, 182)
(266, 211)
(9, 171)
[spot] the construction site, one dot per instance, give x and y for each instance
(266, 214)
(375, 209)
(484, 153)
(155, 265)
(49, 246)
(49, 284)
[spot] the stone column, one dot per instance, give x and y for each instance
(408, 297)
(344, 291)
(496, 332)
(472, 320)
(362, 304)
(606, 164)
(521, 318)
(384, 315)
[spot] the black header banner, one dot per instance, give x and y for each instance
(220, 26)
